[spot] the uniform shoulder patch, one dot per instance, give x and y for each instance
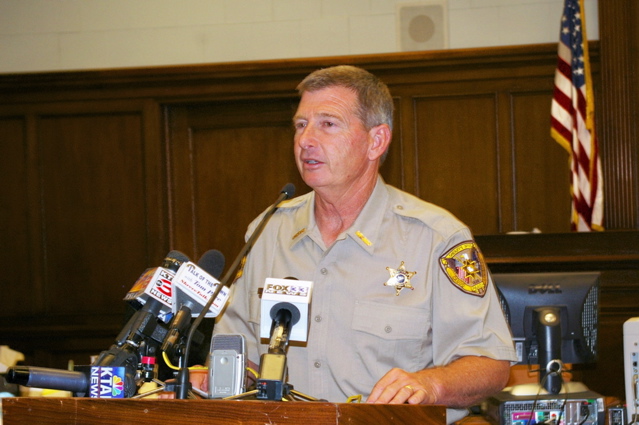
(465, 268)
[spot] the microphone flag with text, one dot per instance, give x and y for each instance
(156, 284)
(183, 384)
(154, 302)
(193, 285)
(282, 297)
(284, 317)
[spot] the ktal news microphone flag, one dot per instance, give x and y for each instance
(573, 120)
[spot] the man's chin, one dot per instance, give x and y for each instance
(314, 180)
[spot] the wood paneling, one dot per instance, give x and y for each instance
(457, 157)
(541, 168)
(93, 192)
(14, 217)
(618, 113)
(80, 225)
(229, 162)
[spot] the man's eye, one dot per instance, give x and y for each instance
(300, 125)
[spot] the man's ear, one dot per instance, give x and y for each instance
(380, 137)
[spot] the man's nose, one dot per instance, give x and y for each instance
(306, 137)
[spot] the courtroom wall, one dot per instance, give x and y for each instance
(48, 35)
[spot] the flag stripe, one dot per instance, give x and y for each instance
(572, 119)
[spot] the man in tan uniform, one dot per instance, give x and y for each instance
(403, 308)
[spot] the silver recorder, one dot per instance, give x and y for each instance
(227, 365)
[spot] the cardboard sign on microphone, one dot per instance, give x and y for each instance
(192, 285)
(290, 294)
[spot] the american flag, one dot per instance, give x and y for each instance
(573, 123)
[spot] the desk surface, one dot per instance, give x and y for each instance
(68, 411)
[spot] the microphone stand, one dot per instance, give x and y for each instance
(182, 382)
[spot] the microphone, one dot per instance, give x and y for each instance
(288, 191)
(153, 290)
(137, 342)
(183, 377)
(95, 381)
(286, 303)
(193, 284)
(41, 377)
(113, 374)
(144, 321)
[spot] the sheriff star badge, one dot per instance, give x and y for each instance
(399, 278)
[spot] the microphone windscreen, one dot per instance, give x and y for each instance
(174, 260)
(177, 256)
(289, 190)
(291, 308)
(212, 261)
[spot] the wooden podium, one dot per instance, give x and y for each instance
(70, 411)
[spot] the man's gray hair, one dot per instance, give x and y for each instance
(375, 101)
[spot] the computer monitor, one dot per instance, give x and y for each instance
(554, 319)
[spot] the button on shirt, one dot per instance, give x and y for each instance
(361, 329)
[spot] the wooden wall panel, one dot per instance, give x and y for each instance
(457, 157)
(618, 111)
(14, 217)
(541, 167)
(228, 163)
(94, 211)
(84, 194)
(394, 168)
(484, 129)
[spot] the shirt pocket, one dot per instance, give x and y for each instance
(390, 336)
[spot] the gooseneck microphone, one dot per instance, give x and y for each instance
(183, 385)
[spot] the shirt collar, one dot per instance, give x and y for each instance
(365, 229)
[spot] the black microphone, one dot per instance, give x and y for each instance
(183, 384)
(85, 381)
(288, 190)
(211, 263)
(137, 343)
(41, 377)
